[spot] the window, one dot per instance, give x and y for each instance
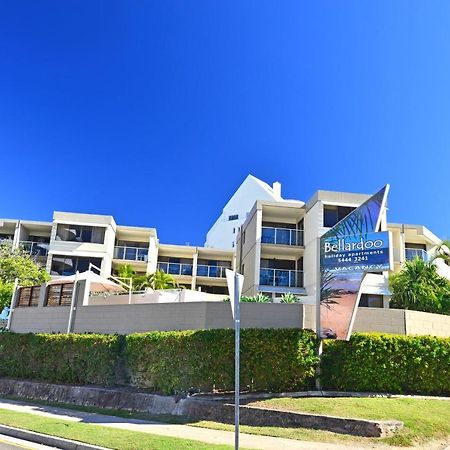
(232, 244)
(68, 265)
(234, 230)
(80, 233)
(334, 214)
(371, 301)
(233, 217)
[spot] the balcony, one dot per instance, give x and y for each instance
(175, 268)
(282, 236)
(35, 248)
(131, 253)
(281, 278)
(413, 253)
(211, 271)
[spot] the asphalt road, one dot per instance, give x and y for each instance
(10, 443)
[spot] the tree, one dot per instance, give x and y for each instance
(419, 287)
(16, 263)
(126, 271)
(156, 281)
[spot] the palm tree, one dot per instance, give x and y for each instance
(419, 287)
(156, 281)
(126, 271)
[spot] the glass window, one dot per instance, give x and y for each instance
(233, 217)
(334, 214)
(68, 265)
(371, 301)
(80, 233)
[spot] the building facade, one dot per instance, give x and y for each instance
(273, 242)
(74, 242)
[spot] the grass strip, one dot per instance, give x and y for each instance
(97, 435)
(425, 419)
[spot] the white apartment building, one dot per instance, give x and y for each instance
(72, 241)
(276, 248)
(272, 241)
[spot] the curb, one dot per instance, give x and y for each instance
(45, 439)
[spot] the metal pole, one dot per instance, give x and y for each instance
(237, 325)
(318, 298)
(11, 306)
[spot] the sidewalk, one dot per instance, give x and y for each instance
(176, 430)
(172, 430)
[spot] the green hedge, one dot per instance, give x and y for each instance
(60, 358)
(183, 361)
(190, 361)
(387, 363)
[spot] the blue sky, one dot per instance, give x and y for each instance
(154, 111)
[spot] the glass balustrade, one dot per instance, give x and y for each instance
(211, 271)
(175, 268)
(131, 253)
(281, 278)
(413, 253)
(281, 236)
(35, 248)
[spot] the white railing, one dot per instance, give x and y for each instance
(281, 277)
(131, 253)
(175, 268)
(211, 271)
(35, 248)
(281, 236)
(413, 253)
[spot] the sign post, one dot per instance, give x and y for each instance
(348, 251)
(235, 282)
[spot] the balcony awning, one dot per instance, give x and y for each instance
(97, 283)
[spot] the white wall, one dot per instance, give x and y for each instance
(241, 202)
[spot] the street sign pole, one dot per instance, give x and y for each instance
(235, 282)
(237, 326)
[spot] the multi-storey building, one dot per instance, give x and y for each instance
(275, 244)
(277, 247)
(72, 242)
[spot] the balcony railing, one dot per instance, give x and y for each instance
(35, 248)
(413, 253)
(211, 271)
(281, 236)
(281, 278)
(175, 268)
(131, 253)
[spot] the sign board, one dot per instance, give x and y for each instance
(232, 279)
(368, 252)
(349, 250)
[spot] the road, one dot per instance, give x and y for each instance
(10, 443)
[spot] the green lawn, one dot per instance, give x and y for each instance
(98, 435)
(424, 420)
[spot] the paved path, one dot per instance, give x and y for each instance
(11, 443)
(176, 430)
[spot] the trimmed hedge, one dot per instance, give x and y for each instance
(191, 361)
(60, 358)
(387, 363)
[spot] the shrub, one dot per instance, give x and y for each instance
(183, 361)
(60, 358)
(387, 363)
(418, 286)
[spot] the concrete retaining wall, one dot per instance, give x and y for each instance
(191, 407)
